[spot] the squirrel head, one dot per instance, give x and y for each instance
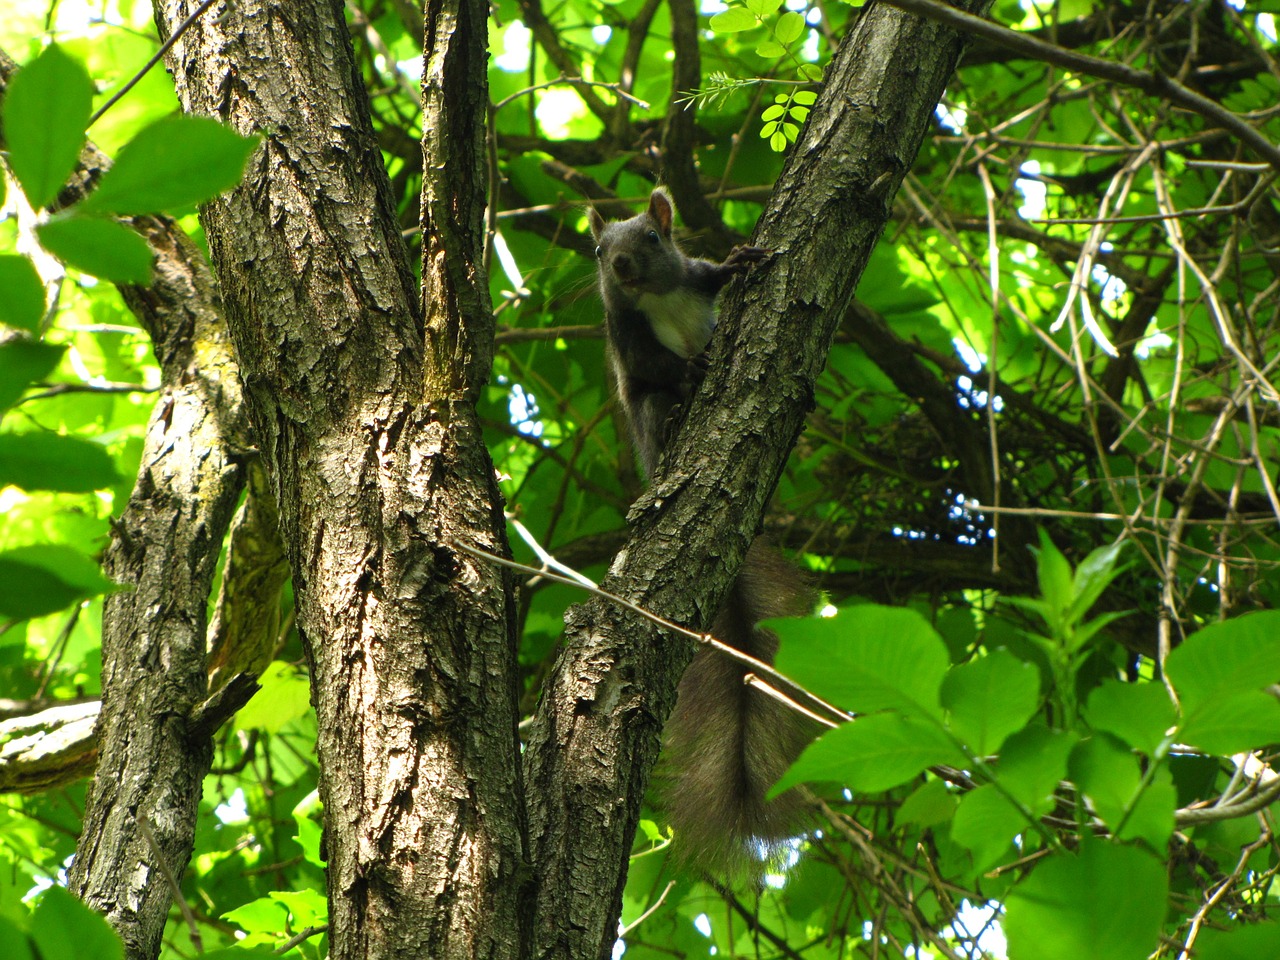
(639, 254)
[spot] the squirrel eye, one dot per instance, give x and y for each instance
(599, 253)
(653, 236)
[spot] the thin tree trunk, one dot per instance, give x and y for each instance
(597, 734)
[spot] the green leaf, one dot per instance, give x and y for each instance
(1106, 903)
(1110, 778)
(1225, 658)
(65, 929)
(772, 112)
(762, 8)
(22, 363)
(931, 803)
(1239, 722)
(806, 98)
(872, 754)
(1140, 714)
(285, 696)
(12, 936)
(767, 130)
(867, 658)
(48, 461)
(1240, 943)
(1095, 573)
(1054, 574)
(46, 111)
(986, 824)
(989, 698)
(103, 248)
(777, 142)
(789, 27)
(770, 49)
(1032, 761)
(44, 578)
(734, 20)
(173, 163)
(22, 304)
(811, 72)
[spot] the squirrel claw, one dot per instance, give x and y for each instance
(743, 255)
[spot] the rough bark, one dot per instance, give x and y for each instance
(153, 756)
(596, 738)
(365, 418)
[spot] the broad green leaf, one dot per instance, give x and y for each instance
(806, 98)
(930, 804)
(65, 929)
(1226, 658)
(762, 8)
(734, 20)
(44, 578)
(46, 111)
(789, 27)
(22, 363)
(262, 916)
(285, 696)
(22, 300)
(770, 49)
(1110, 778)
(175, 162)
(1140, 714)
(1240, 943)
(772, 112)
(100, 247)
(867, 658)
(1106, 903)
(15, 941)
(1031, 764)
(1242, 721)
(986, 823)
(989, 698)
(873, 753)
(47, 461)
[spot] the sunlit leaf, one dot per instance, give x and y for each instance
(46, 110)
(99, 247)
(176, 162)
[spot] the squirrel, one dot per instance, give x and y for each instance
(726, 744)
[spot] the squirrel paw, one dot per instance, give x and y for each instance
(742, 256)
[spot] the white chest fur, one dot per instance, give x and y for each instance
(681, 320)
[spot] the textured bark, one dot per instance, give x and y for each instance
(365, 418)
(597, 734)
(152, 756)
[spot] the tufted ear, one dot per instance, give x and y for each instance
(661, 210)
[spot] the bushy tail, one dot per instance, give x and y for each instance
(728, 743)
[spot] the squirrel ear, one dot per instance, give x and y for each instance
(595, 221)
(661, 210)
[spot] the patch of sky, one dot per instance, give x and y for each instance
(712, 7)
(516, 38)
(523, 410)
(979, 924)
(972, 397)
(234, 809)
(1267, 26)
(952, 117)
(1034, 192)
(601, 33)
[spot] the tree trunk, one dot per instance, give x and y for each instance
(366, 422)
(597, 733)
